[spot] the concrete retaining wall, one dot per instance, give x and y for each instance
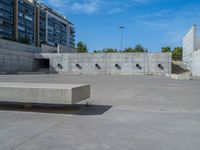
(12, 62)
(61, 49)
(114, 64)
(16, 57)
(189, 46)
(16, 46)
(196, 63)
(191, 51)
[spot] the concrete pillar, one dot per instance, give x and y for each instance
(58, 48)
(15, 19)
(46, 26)
(37, 27)
(68, 35)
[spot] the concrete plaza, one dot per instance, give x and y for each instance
(128, 113)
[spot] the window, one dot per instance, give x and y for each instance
(28, 18)
(21, 28)
(20, 14)
(51, 28)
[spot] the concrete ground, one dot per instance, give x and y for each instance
(128, 113)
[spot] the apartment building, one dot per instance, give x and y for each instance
(35, 23)
(25, 19)
(53, 28)
(6, 18)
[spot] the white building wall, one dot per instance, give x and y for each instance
(189, 46)
(191, 51)
(196, 63)
(197, 44)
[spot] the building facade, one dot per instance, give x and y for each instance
(26, 22)
(6, 18)
(35, 23)
(71, 35)
(52, 27)
(191, 51)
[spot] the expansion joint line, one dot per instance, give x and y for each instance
(29, 139)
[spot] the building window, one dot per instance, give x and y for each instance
(21, 28)
(20, 14)
(29, 18)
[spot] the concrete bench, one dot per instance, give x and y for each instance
(29, 93)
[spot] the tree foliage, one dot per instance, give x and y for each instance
(82, 47)
(137, 49)
(177, 54)
(166, 49)
(109, 50)
(128, 50)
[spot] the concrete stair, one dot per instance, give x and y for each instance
(180, 71)
(179, 68)
(44, 70)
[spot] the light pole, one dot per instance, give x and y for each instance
(122, 29)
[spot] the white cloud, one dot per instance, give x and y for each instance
(116, 10)
(89, 6)
(93, 6)
(75, 6)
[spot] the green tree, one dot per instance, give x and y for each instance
(128, 50)
(166, 49)
(81, 47)
(177, 54)
(139, 48)
(109, 50)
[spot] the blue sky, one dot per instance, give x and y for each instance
(152, 23)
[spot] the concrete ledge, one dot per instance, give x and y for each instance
(180, 77)
(43, 93)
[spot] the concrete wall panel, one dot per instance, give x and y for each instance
(196, 63)
(16, 46)
(113, 64)
(12, 62)
(189, 46)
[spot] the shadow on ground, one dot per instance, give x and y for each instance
(57, 109)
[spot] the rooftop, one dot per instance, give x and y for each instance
(56, 13)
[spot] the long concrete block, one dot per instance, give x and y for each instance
(44, 93)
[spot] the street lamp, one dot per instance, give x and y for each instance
(122, 29)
